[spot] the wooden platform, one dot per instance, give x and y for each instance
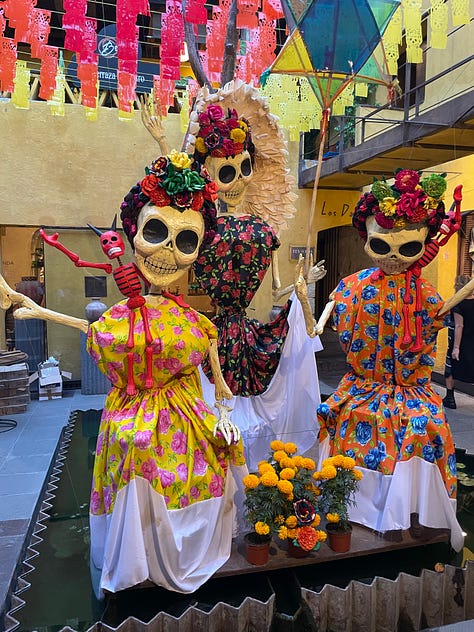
(364, 542)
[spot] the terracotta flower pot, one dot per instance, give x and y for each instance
(256, 552)
(339, 541)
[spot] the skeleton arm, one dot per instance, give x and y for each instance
(29, 309)
(315, 274)
(313, 328)
(459, 296)
(52, 240)
(230, 431)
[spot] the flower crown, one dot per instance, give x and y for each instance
(220, 136)
(177, 180)
(409, 200)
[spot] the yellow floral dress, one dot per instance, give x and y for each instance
(158, 442)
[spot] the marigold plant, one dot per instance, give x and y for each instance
(338, 481)
(281, 497)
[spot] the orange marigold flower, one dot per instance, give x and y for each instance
(250, 481)
(316, 521)
(291, 522)
(322, 536)
(279, 455)
(265, 466)
(328, 472)
(287, 462)
(308, 464)
(307, 538)
(332, 517)
(283, 532)
(358, 474)
(290, 447)
(338, 460)
(292, 533)
(269, 479)
(277, 445)
(348, 463)
(298, 460)
(317, 476)
(285, 487)
(262, 528)
(287, 474)
(279, 519)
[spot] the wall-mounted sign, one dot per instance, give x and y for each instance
(108, 63)
(296, 251)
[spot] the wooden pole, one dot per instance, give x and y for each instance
(322, 135)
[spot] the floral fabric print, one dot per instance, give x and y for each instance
(230, 270)
(165, 433)
(385, 409)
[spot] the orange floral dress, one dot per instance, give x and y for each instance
(385, 411)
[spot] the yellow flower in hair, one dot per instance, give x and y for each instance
(285, 487)
(322, 536)
(269, 479)
(399, 222)
(277, 445)
(291, 522)
(180, 159)
(388, 206)
(287, 474)
(243, 125)
(262, 528)
(237, 135)
(201, 145)
(283, 532)
(250, 481)
(292, 533)
(431, 203)
(279, 519)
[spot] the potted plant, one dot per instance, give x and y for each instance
(338, 481)
(282, 499)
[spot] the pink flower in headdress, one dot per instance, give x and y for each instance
(215, 112)
(229, 147)
(409, 202)
(204, 120)
(383, 221)
(406, 180)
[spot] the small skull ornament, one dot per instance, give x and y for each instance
(232, 175)
(167, 242)
(395, 250)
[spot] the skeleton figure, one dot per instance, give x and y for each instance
(385, 413)
(163, 459)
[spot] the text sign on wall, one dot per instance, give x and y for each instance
(296, 251)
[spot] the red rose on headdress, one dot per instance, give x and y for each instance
(406, 180)
(238, 148)
(205, 130)
(149, 184)
(198, 200)
(409, 202)
(219, 152)
(232, 123)
(221, 127)
(229, 147)
(204, 119)
(210, 191)
(159, 197)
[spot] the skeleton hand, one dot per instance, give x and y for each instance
(317, 272)
(230, 431)
(153, 124)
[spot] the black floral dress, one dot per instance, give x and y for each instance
(230, 270)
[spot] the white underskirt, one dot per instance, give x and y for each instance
(287, 409)
(143, 540)
(385, 502)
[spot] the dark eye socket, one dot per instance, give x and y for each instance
(246, 167)
(155, 231)
(379, 246)
(187, 241)
(411, 249)
(227, 174)
(113, 238)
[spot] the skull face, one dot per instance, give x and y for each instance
(232, 176)
(395, 250)
(112, 244)
(167, 243)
